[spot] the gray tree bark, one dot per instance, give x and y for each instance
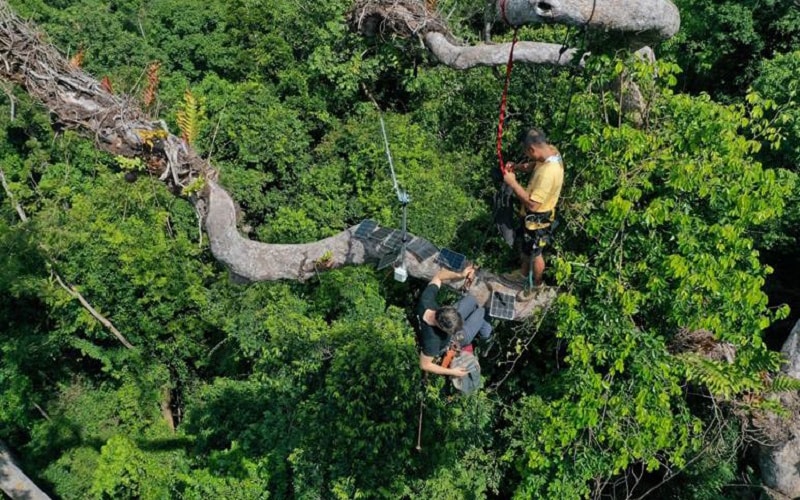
(648, 19)
(642, 21)
(779, 457)
(470, 56)
(14, 482)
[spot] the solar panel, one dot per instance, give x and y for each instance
(502, 305)
(387, 260)
(422, 248)
(365, 228)
(394, 240)
(381, 233)
(450, 259)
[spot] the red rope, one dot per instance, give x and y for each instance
(503, 11)
(502, 119)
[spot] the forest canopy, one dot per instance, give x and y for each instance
(646, 375)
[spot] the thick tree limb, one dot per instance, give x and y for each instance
(257, 261)
(80, 102)
(14, 482)
(465, 57)
(117, 125)
(647, 19)
(779, 459)
(643, 22)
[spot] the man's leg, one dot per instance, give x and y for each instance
(538, 270)
(473, 317)
(541, 240)
(466, 305)
(476, 324)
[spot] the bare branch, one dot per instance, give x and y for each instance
(255, 261)
(17, 206)
(647, 19)
(465, 57)
(70, 289)
(642, 21)
(99, 317)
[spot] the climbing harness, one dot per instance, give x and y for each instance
(541, 219)
(501, 119)
(449, 355)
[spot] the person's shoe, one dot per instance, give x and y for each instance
(515, 277)
(527, 294)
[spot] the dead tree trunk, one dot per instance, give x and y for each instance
(642, 21)
(118, 126)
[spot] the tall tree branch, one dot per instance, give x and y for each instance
(118, 126)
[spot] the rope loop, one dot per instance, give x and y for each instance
(501, 120)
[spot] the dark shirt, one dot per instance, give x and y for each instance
(433, 340)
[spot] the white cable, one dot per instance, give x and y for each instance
(402, 196)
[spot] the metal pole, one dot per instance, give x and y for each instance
(421, 406)
(530, 272)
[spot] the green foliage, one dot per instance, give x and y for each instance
(287, 390)
(353, 173)
(726, 381)
(657, 221)
(783, 383)
(721, 43)
(129, 164)
(777, 81)
(189, 117)
(107, 440)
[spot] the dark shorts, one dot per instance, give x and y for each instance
(534, 241)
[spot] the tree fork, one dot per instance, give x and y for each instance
(642, 21)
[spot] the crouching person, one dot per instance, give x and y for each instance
(448, 329)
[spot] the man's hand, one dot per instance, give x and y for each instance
(426, 364)
(509, 177)
(447, 275)
(468, 271)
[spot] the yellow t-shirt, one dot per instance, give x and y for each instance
(545, 186)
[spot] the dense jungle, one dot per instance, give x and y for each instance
(136, 364)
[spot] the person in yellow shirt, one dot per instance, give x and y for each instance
(538, 201)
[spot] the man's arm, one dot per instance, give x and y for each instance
(511, 179)
(448, 275)
(426, 364)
